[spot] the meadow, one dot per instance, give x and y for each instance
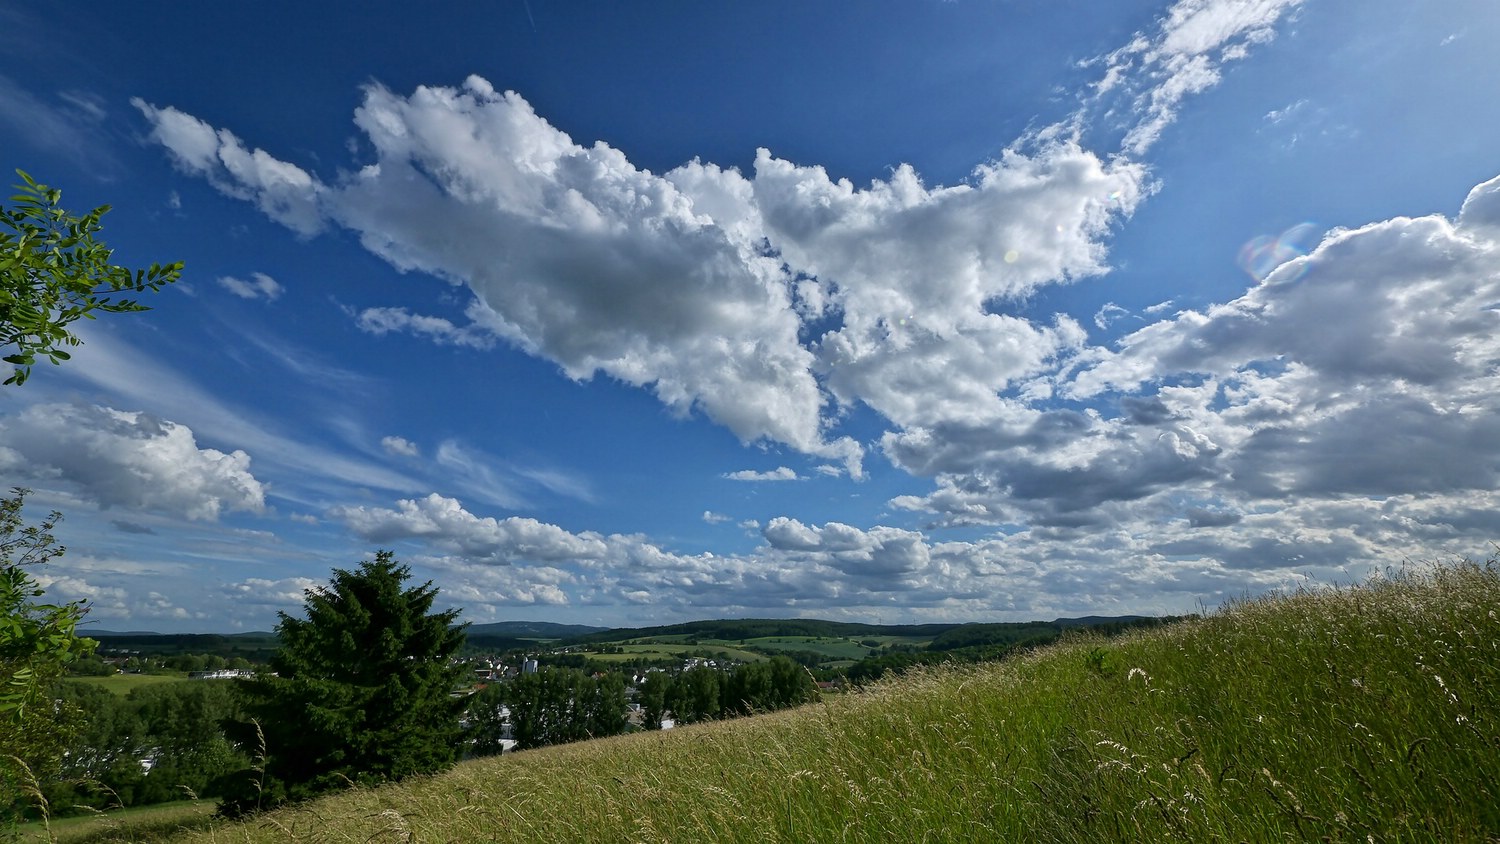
(145, 823)
(124, 684)
(1367, 713)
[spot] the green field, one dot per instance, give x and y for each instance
(832, 648)
(123, 684)
(1359, 714)
(145, 823)
(654, 650)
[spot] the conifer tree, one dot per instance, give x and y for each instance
(360, 691)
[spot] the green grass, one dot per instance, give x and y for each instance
(670, 650)
(145, 823)
(124, 684)
(1359, 714)
(832, 648)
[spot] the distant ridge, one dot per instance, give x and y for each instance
(92, 632)
(1095, 620)
(114, 634)
(750, 628)
(533, 630)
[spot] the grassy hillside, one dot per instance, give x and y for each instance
(1364, 714)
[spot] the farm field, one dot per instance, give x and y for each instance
(669, 650)
(124, 684)
(833, 648)
(836, 651)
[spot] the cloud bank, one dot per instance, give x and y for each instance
(1337, 415)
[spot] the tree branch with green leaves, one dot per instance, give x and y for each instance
(53, 272)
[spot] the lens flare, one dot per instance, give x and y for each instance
(1262, 255)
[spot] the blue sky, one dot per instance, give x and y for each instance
(626, 314)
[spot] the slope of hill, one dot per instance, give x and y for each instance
(1361, 714)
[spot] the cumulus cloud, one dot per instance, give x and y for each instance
(811, 566)
(767, 301)
(780, 473)
(128, 459)
(259, 286)
(483, 589)
(878, 559)
(445, 522)
(1205, 553)
(705, 284)
(284, 192)
(1364, 368)
(399, 446)
(114, 589)
(104, 601)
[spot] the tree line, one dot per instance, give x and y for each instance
(160, 743)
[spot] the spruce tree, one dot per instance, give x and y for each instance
(360, 691)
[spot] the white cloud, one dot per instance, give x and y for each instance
(1108, 315)
(1364, 368)
(103, 601)
(485, 591)
(716, 518)
(780, 473)
(260, 286)
(381, 321)
(285, 192)
(283, 594)
(445, 522)
(133, 377)
(1195, 39)
(666, 281)
(1152, 556)
(878, 559)
(399, 446)
(128, 459)
(1277, 115)
(1148, 79)
(1400, 304)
